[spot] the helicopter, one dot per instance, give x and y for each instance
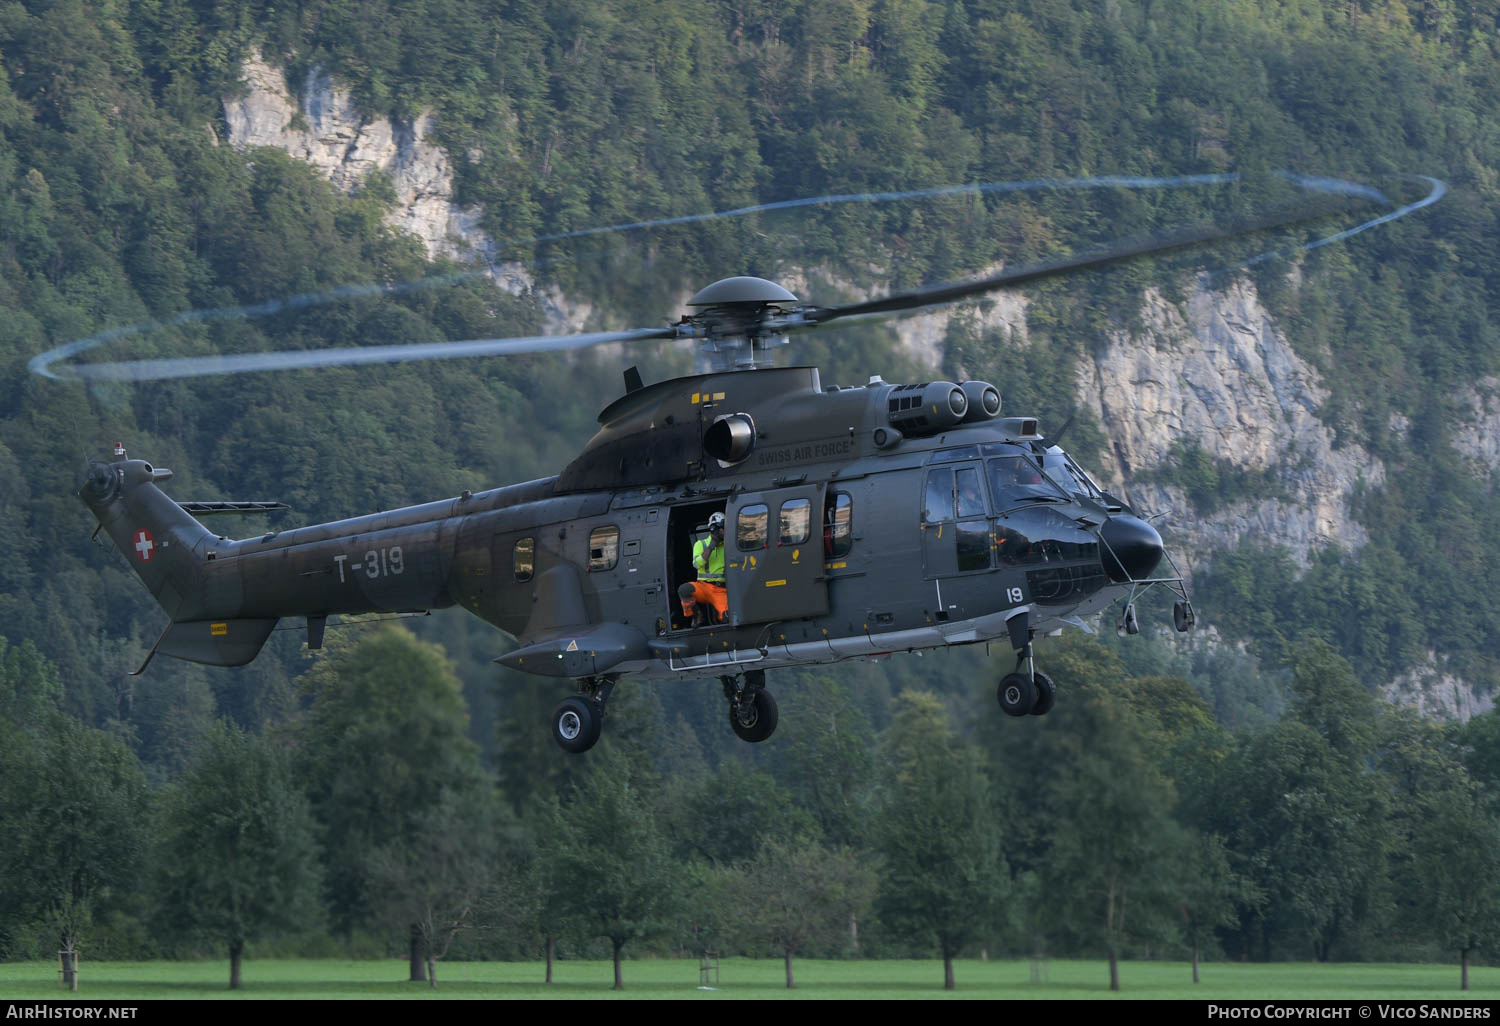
(857, 522)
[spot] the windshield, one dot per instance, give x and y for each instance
(1015, 480)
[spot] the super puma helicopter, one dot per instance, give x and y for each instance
(861, 521)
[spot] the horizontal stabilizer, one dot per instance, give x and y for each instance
(204, 509)
(584, 652)
(216, 642)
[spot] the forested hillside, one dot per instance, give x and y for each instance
(1299, 806)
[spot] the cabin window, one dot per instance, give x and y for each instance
(751, 527)
(838, 525)
(523, 558)
(938, 504)
(604, 548)
(796, 522)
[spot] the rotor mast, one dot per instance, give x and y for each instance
(740, 322)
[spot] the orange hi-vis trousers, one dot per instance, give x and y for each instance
(709, 594)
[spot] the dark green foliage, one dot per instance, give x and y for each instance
(610, 869)
(383, 750)
(73, 810)
(236, 856)
(1213, 483)
(943, 875)
(799, 896)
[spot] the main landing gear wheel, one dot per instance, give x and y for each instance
(575, 723)
(753, 716)
(1017, 694)
(1046, 695)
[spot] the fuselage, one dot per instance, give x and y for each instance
(841, 542)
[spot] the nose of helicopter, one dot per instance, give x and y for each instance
(1131, 548)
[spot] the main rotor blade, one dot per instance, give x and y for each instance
(246, 363)
(1125, 249)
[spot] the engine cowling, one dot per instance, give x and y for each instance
(926, 408)
(984, 401)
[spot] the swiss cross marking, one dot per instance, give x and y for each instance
(144, 545)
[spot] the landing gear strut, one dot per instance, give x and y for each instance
(1028, 692)
(577, 720)
(752, 710)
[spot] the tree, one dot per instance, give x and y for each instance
(444, 879)
(944, 875)
(797, 894)
(1305, 825)
(1206, 890)
(611, 873)
(1445, 850)
(830, 757)
(1453, 892)
(237, 857)
(73, 809)
(1114, 840)
(384, 739)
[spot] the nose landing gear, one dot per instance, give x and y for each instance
(1026, 693)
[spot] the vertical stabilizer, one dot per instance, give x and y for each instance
(162, 543)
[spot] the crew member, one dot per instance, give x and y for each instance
(707, 592)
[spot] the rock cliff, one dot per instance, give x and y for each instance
(1217, 372)
(327, 130)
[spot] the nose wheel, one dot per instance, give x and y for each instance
(1026, 692)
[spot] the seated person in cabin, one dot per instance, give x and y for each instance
(705, 599)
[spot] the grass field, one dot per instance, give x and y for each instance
(751, 978)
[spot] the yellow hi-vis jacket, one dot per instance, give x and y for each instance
(709, 564)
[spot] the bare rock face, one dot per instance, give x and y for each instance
(1436, 693)
(1218, 374)
(328, 131)
(1477, 437)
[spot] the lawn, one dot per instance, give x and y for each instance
(752, 978)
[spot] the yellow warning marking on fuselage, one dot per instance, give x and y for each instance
(696, 397)
(218, 630)
(775, 584)
(834, 566)
(572, 646)
(718, 397)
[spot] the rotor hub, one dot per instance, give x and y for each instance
(740, 320)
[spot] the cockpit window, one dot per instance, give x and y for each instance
(970, 493)
(1016, 479)
(963, 452)
(937, 506)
